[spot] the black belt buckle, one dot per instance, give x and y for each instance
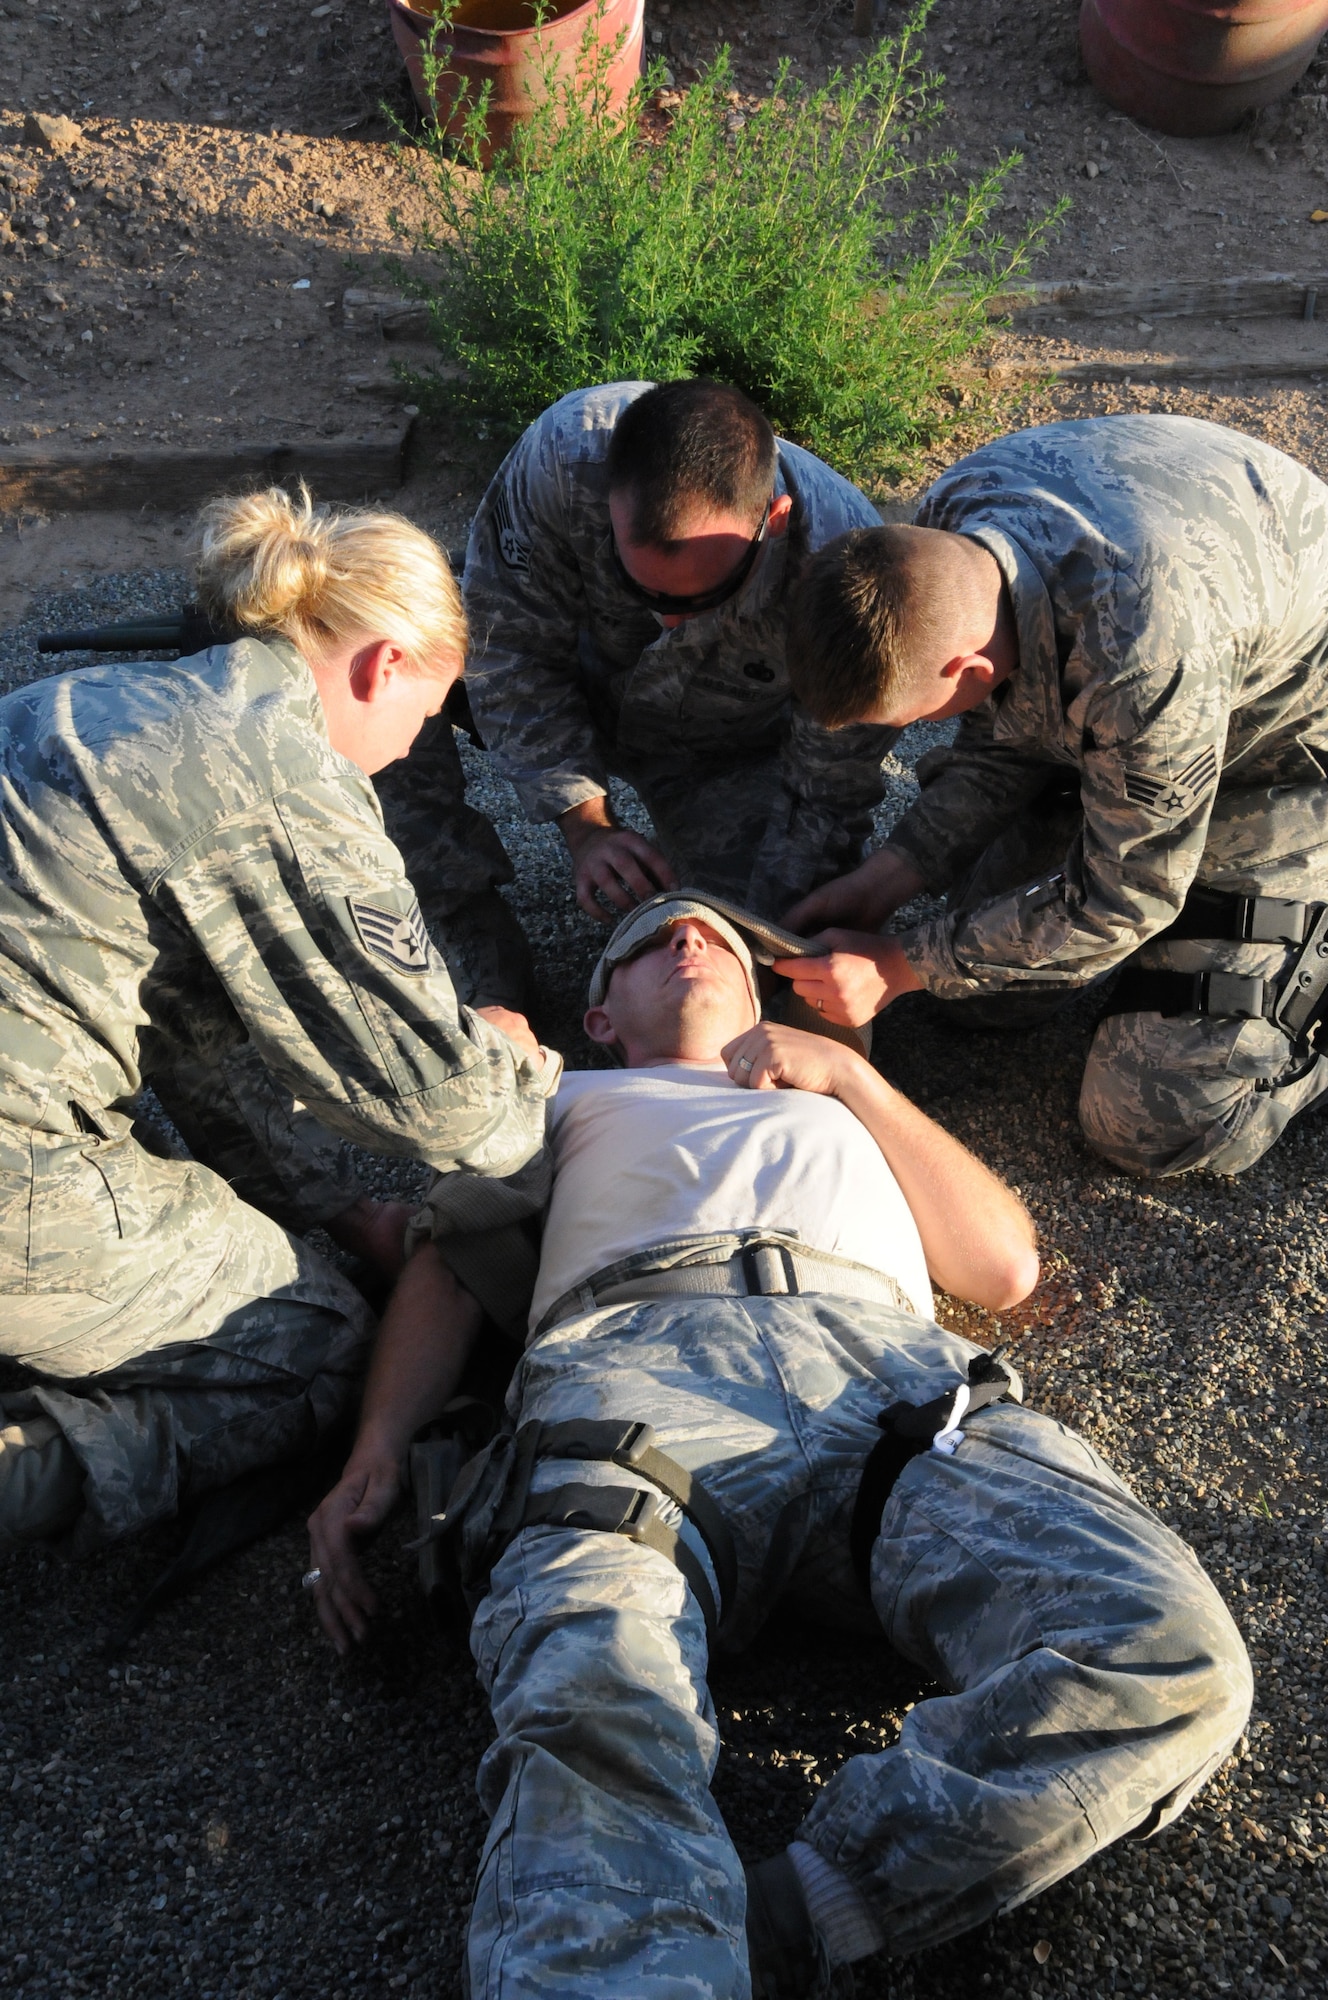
(1231, 995)
(1269, 920)
(609, 1510)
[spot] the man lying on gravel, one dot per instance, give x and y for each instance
(196, 893)
(627, 584)
(1131, 616)
(768, 1362)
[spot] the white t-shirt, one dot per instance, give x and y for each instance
(645, 1155)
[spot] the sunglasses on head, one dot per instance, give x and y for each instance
(703, 600)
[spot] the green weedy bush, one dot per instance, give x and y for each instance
(768, 254)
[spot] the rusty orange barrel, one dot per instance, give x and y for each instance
(497, 42)
(1196, 66)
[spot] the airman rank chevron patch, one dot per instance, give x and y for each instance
(514, 550)
(402, 941)
(1177, 795)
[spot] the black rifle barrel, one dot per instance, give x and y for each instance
(188, 631)
(157, 635)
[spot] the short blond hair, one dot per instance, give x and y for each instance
(268, 562)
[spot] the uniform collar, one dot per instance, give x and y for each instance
(1027, 706)
(297, 680)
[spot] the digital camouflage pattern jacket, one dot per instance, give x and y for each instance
(1169, 580)
(571, 677)
(187, 864)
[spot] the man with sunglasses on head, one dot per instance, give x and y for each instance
(627, 583)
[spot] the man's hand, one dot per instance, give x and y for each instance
(515, 1026)
(862, 899)
(611, 861)
(773, 1058)
(360, 1501)
(861, 974)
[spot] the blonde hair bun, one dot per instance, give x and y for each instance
(268, 562)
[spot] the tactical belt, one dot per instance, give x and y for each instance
(1296, 1001)
(912, 1428)
(747, 1263)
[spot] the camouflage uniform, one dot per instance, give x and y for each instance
(1096, 1678)
(196, 892)
(1169, 582)
(571, 678)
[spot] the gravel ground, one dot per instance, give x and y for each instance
(231, 1812)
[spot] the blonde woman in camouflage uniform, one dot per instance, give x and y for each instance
(1130, 614)
(196, 893)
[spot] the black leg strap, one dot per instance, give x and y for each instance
(1223, 995)
(614, 1442)
(912, 1428)
(1214, 914)
(624, 1510)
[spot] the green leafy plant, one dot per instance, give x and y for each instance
(772, 251)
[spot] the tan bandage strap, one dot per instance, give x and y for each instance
(482, 1227)
(752, 1263)
(755, 939)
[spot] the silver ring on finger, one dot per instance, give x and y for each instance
(310, 1578)
(744, 1062)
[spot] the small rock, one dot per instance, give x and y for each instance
(53, 134)
(1091, 170)
(1042, 1951)
(52, 297)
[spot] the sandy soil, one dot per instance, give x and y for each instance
(176, 275)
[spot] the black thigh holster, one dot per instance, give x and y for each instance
(1296, 1002)
(491, 1502)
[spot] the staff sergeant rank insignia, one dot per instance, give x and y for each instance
(514, 552)
(1175, 795)
(402, 941)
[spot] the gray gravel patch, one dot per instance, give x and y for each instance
(229, 1812)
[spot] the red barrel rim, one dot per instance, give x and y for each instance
(422, 23)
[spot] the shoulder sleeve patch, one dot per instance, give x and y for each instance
(514, 551)
(402, 941)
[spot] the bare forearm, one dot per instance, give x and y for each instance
(977, 1235)
(423, 1343)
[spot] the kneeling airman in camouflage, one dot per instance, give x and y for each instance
(1130, 614)
(197, 894)
(627, 584)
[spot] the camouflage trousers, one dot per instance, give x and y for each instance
(1096, 1679)
(456, 862)
(1165, 1094)
(160, 1334)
